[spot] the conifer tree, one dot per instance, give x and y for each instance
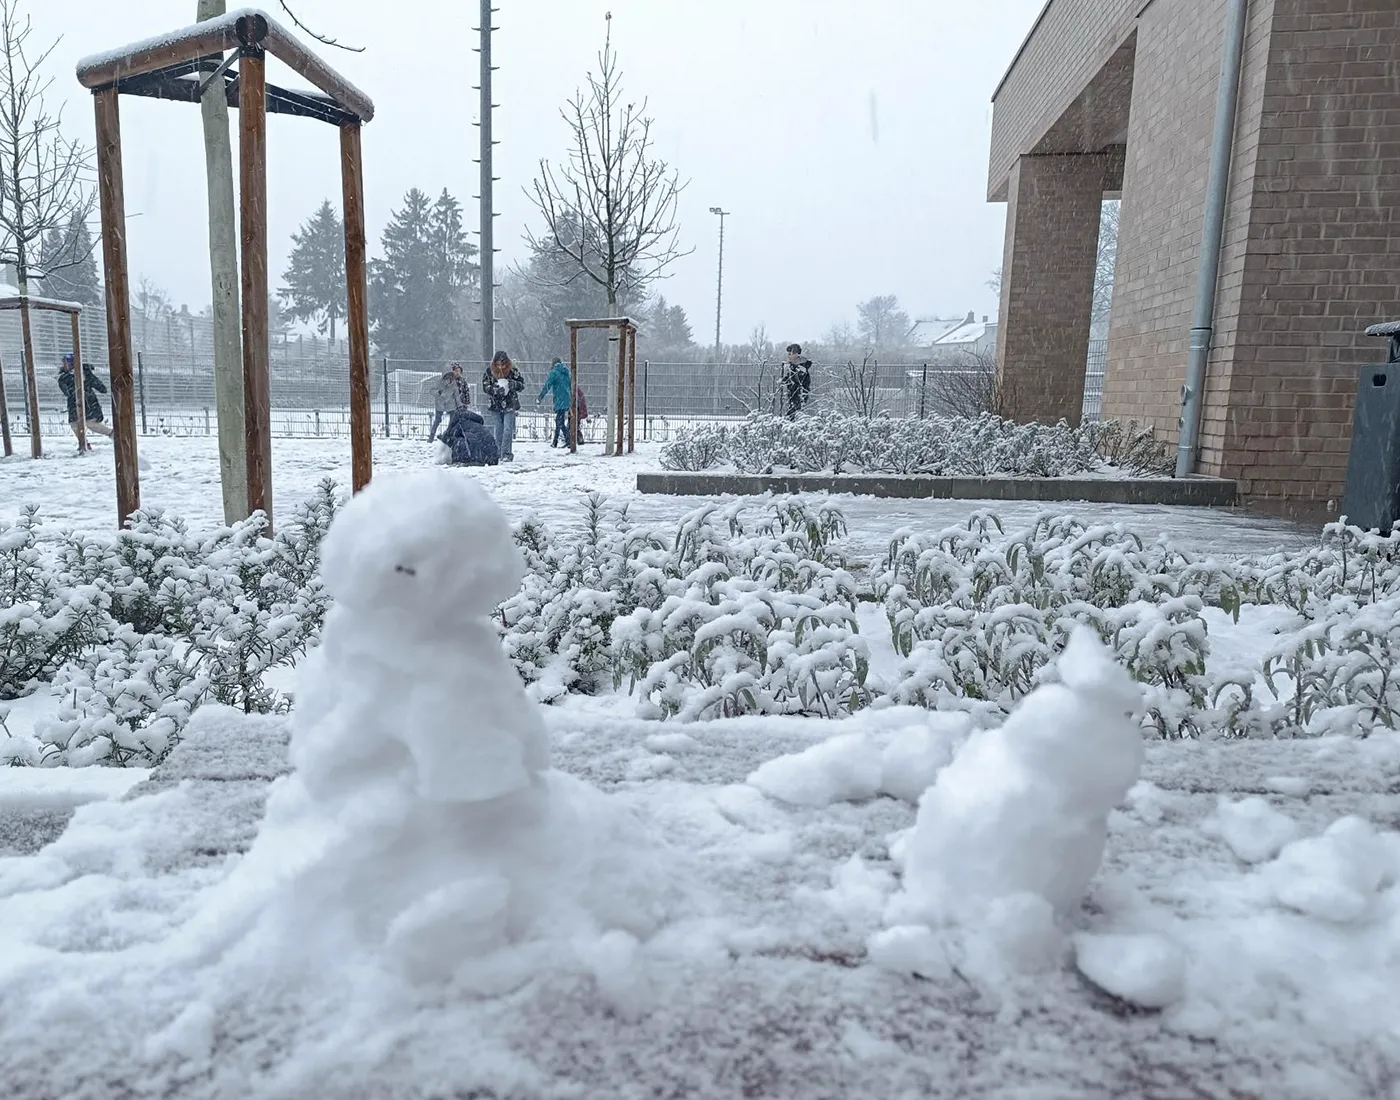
(315, 275)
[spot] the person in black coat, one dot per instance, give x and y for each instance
(797, 378)
(92, 407)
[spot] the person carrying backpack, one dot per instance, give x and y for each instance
(797, 378)
(92, 407)
(559, 385)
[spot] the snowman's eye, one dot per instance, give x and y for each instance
(406, 569)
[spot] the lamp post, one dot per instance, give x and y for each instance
(719, 282)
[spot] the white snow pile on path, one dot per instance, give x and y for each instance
(396, 895)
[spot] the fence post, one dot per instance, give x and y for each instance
(206, 420)
(141, 389)
(646, 423)
(385, 362)
(923, 389)
(317, 414)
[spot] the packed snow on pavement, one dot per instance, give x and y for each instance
(421, 884)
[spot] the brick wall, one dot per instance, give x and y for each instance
(1069, 45)
(1048, 283)
(1324, 254)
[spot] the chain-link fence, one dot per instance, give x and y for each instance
(310, 392)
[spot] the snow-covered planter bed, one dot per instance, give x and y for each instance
(506, 901)
(941, 446)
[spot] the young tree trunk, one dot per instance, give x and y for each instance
(223, 271)
(613, 395)
(31, 381)
(5, 416)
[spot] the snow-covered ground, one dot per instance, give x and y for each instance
(749, 907)
(183, 478)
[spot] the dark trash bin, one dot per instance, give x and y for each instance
(1372, 497)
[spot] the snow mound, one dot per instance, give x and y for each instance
(1024, 808)
(1338, 876)
(1253, 829)
(853, 767)
(1145, 970)
(422, 829)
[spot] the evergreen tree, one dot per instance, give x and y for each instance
(416, 287)
(315, 275)
(67, 266)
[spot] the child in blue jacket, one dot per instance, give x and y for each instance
(558, 384)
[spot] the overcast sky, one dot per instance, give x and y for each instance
(849, 140)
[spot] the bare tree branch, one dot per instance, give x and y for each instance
(610, 208)
(319, 37)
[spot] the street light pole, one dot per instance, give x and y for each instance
(719, 282)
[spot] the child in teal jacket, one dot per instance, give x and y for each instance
(558, 384)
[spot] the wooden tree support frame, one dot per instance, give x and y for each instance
(30, 377)
(625, 426)
(174, 66)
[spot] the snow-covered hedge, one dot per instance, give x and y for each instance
(724, 616)
(979, 615)
(138, 628)
(942, 446)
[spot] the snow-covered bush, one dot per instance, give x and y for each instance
(124, 703)
(722, 617)
(980, 615)
(987, 445)
(47, 617)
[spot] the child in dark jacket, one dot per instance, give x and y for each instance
(92, 407)
(502, 383)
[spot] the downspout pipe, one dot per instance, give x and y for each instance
(1212, 235)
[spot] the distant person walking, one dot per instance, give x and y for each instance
(92, 407)
(450, 393)
(797, 379)
(558, 384)
(502, 384)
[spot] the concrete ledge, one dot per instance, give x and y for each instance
(1201, 492)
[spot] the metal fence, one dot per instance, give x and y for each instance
(309, 382)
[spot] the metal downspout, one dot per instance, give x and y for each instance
(1212, 235)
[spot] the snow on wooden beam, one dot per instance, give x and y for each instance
(246, 28)
(604, 322)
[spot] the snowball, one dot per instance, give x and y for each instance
(912, 760)
(1024, 808)
(845, 768)
(858, 890)
(618, 967)
(1145, 970)
(1253, 829)
(442, 453)
(1335, 876)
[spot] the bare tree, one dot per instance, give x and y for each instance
(610, 209)
(43, 179)
(1105, 262)
(883, 325)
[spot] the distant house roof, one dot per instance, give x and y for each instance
(950, 332)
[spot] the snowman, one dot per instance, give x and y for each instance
(422, 825)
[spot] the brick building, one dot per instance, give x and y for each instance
(1119, 96)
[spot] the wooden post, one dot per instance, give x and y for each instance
(252, 174)
(356, 310)
(573, 390)
(79, 386)
(621, 387)
(31, 382)
(5, 417)
(113, 199)
(631, 390)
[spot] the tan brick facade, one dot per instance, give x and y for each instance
(1312, 241)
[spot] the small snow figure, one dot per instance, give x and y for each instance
(421, 826)
(1023, 809)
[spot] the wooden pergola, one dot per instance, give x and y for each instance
(626, 330)
(180, 66)
(31, 379)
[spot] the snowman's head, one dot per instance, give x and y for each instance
(430, 544)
